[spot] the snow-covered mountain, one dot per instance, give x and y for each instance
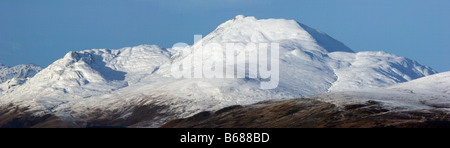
(100, 84)
(19, 71)
(93, 72)
(11, 77)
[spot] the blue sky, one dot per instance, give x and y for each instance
(43, 31)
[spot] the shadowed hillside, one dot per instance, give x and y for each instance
(309, 113)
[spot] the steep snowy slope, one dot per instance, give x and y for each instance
(99, 84)
(19, 71)
(11, 77)
(373, 69)
(242, 29)
(86, 73)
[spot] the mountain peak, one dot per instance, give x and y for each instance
(247, 29)
(240, 16)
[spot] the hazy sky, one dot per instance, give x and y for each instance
(42, 31)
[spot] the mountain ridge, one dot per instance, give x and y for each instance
(104, 83)
(22, 71)
(11, 77)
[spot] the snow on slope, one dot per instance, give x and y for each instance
(431, 92)
(242, 29)
(373, 69)
(19, 71)
(311, 63)
(12, 77)
(80, 75)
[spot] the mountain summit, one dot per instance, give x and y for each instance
(245, 29)
(135, 86)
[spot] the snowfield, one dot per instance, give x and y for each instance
(431, 92)
(105, 81)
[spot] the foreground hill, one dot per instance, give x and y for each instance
(420, 103)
